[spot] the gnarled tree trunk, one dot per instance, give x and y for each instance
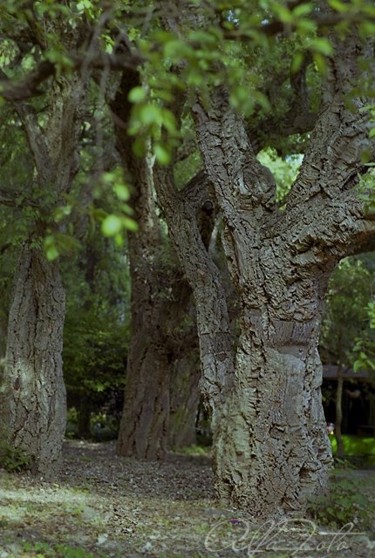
(33, 410)
(271, 449)
(270, 442)
(144, 423)
(159, 303)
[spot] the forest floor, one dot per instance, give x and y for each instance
(104, 506)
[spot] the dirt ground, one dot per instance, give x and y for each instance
(103, 505)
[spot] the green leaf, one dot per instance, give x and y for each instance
(62, 212)
(367, 28)
(202, 37)
(339, 6)
(177, 50)
(111, 225)
(297, 62)
(320, 62)
(137, 95)
(122, 192)
(150, 114)
(162, 154)
(303, 9)
(130, 224)
(50, 248)
(119, 240)
(305, 26)
(283, 13)
(322, 46)
(169, 121)
(52, 253)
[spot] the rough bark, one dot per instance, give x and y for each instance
(33, 390)
(159, 304)
(158, 359)
(33, 410)
(271, 448)
(144, 423)
(181, 210)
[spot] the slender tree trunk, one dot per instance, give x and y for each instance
(33, 406)
(184, 400)
(338, 421)
(84, 418)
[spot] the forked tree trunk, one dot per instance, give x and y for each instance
(271, 448)
(33, 406)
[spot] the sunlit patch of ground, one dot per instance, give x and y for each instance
(106, 506)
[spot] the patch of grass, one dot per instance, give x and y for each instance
(45, 550)
(347, 502)
(355, 445)
(13, 459)
(194, 450)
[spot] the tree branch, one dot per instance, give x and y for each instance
(229, 158)
(299, 119)
(9, 199)
(29, 86)
(321, 20)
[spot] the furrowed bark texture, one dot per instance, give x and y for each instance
(33, 395)
(33, 391)
(271, 446)
(271, 449)
(159, 304)
(181, 210)
(144, 424)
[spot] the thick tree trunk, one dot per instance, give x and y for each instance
(271, 444)
(271, 447)
(144, 423)
(160, 300)
(33, 406)
(155, 365)
(33, 413)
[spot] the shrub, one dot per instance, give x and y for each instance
(13, 459)
(345, 503)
